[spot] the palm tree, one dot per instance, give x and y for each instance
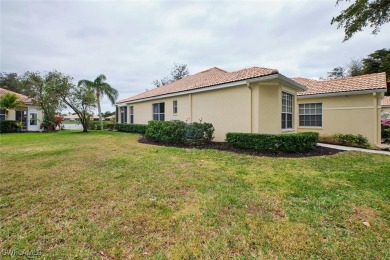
(101, 88)
(10, 101)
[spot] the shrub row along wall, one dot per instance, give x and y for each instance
(300, 142)
(346, 139)
(7, 126)
(385, 132)
(95, 125)
(131, 128)
(178, 132)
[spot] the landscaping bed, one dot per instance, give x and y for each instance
(223, 146)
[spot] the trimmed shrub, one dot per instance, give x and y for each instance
(199, 133)
(346, 139)
(385, 131)
(95, 125)
(131, 128)
(172, 132)
(299, 142)
(178, 132)
(8, 126)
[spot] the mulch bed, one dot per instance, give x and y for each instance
(223, 146)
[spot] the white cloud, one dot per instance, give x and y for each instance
(136, 42)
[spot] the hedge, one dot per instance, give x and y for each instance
(131, 128)
(385, 131)
(178, 132)
(7, 126)
(199, 133)
(291, 143)
(346, 139)
(172, 132)
(95, 125)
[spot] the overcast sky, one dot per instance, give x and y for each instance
(136, 42)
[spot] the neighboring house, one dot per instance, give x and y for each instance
(30, 115)
(71, 118)
(385, 107)
(253, 100)
(349, 105)
(109, 118)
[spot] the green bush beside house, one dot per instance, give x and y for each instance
(297, 142)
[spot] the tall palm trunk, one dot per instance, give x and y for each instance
(99, 109)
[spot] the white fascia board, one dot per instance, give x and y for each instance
(225, 85)
(345, 93)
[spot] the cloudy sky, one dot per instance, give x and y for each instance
(136, 42)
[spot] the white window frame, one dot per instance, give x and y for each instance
(131, 108)
(174, 104)
(287, 109)
(307, 110)
(157, 114)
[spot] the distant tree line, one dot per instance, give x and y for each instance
(178, 71)
(378, 61)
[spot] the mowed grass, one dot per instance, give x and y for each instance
(104, 195)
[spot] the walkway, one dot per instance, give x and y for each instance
(347, 148)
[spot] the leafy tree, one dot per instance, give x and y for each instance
(108, 113)
(45, 92)
(362, 13)
(15, 83)
(10, 101)
(354, 68)
(101, 88)
(179, 71)
(378, 61)
(336, 73)
(82, 100)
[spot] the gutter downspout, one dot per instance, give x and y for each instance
(251, 107)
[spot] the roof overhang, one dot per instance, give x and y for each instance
(280, 77)
(344, 93)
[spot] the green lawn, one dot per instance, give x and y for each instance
(104, 195)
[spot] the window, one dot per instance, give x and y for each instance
(33, 118)
(132, 115)
(2, 114)
(123, 112)
(175, 106)
(287, 110)
(159, 111)
(310, 114)
(21, 116)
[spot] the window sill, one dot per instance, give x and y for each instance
(311, 127)
(288, 130)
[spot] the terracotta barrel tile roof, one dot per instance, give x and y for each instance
(386, 101)
(21, 97)
(364, 82)
(207, 78)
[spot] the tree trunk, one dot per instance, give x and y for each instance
(99, 110)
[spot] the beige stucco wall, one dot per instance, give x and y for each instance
(348, 114)
(247, 108)
(143, 111)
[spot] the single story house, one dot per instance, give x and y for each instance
(74, 117)
(385, 107)
(253, 100)
(30, 115)
(261, 100)
(350, 105)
